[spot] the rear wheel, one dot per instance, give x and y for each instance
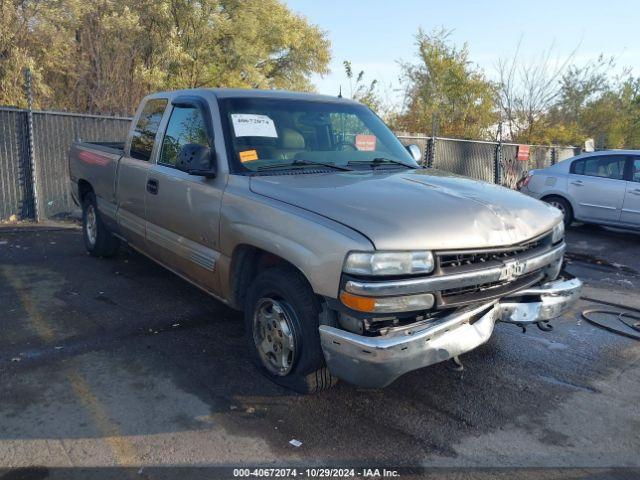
(98, 240)
(281, 320)
(562, 205)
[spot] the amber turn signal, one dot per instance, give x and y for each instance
(356, 302)
(406, 303)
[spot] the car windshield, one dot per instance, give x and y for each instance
(272, 134)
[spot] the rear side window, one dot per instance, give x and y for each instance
(605, 166)
(145, 132)
(635, 170)
(186, 126)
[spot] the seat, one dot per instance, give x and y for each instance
(291, 143)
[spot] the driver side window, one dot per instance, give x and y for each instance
(185, 126)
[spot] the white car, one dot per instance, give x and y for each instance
(598, 187)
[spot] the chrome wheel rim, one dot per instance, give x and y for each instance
(273, 336)
(559, 206)
(91, 225)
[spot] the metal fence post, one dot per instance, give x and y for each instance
(431, 151)
(497, 158)
(497, 164)
(431, 160)
(554, 156)
(31, 144)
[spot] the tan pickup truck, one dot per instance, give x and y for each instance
(348, 259)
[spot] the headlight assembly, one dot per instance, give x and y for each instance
(389, 263)
(558, 233)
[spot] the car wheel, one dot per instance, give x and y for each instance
(98, 240)
(281, 320)
(564, 206)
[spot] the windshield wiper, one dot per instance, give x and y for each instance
(304, 163)
(381, 161)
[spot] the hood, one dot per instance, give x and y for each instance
(415, 209)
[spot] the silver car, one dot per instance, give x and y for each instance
(598, 187)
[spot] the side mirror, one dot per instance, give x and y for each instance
(196, 159)
(415, 152)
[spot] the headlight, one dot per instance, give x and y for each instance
(558, 233)
(388, 263)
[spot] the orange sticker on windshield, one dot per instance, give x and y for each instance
(366, 143)
(248, 156)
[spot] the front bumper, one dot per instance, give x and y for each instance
(377, 361)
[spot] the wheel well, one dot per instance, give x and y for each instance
(84, 187)
(247, 262)
(554, 195)
(561, 197)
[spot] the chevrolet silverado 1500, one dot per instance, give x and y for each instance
(348, 259)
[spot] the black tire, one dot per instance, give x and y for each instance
(307, 370)
(562, 205)
(99, 243)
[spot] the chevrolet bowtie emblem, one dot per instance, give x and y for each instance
(511, 270)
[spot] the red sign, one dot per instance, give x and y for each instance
(523, 153)
(366, 143)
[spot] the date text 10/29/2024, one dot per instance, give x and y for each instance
(315, 473)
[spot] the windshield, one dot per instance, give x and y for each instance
(269, 134)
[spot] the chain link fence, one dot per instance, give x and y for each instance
(15, 170)
(34, 176)
(53, 134)
(45, 163)
(489, 161)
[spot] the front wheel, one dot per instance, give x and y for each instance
(281, 321)
(98, 240)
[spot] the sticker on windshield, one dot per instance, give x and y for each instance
(248, 156)
(252, 125)
(365, 143)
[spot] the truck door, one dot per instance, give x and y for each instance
(133, 171)
(183, 210)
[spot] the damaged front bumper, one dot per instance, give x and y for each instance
(377, 361)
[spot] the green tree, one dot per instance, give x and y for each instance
(361, 91)
(593, 104)
(444, 85)
(104, 55)
(34, 35)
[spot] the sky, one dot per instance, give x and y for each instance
(375, 34)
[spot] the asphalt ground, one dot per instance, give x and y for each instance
(109, 363)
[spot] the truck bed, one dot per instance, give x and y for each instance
(108, 147)
(97, 164)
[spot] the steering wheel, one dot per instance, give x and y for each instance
(343, 145)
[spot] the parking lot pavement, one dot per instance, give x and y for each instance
(119, 362)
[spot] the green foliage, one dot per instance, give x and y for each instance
(445, 86)
(363, 92)
(593, 105)
(104, 55)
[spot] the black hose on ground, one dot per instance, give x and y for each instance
(633, 323)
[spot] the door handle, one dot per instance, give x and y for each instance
(636, 191)
(152, 186)
(577, 183)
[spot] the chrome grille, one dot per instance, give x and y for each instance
(453, 262)
(449, 261)
(461, 296)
